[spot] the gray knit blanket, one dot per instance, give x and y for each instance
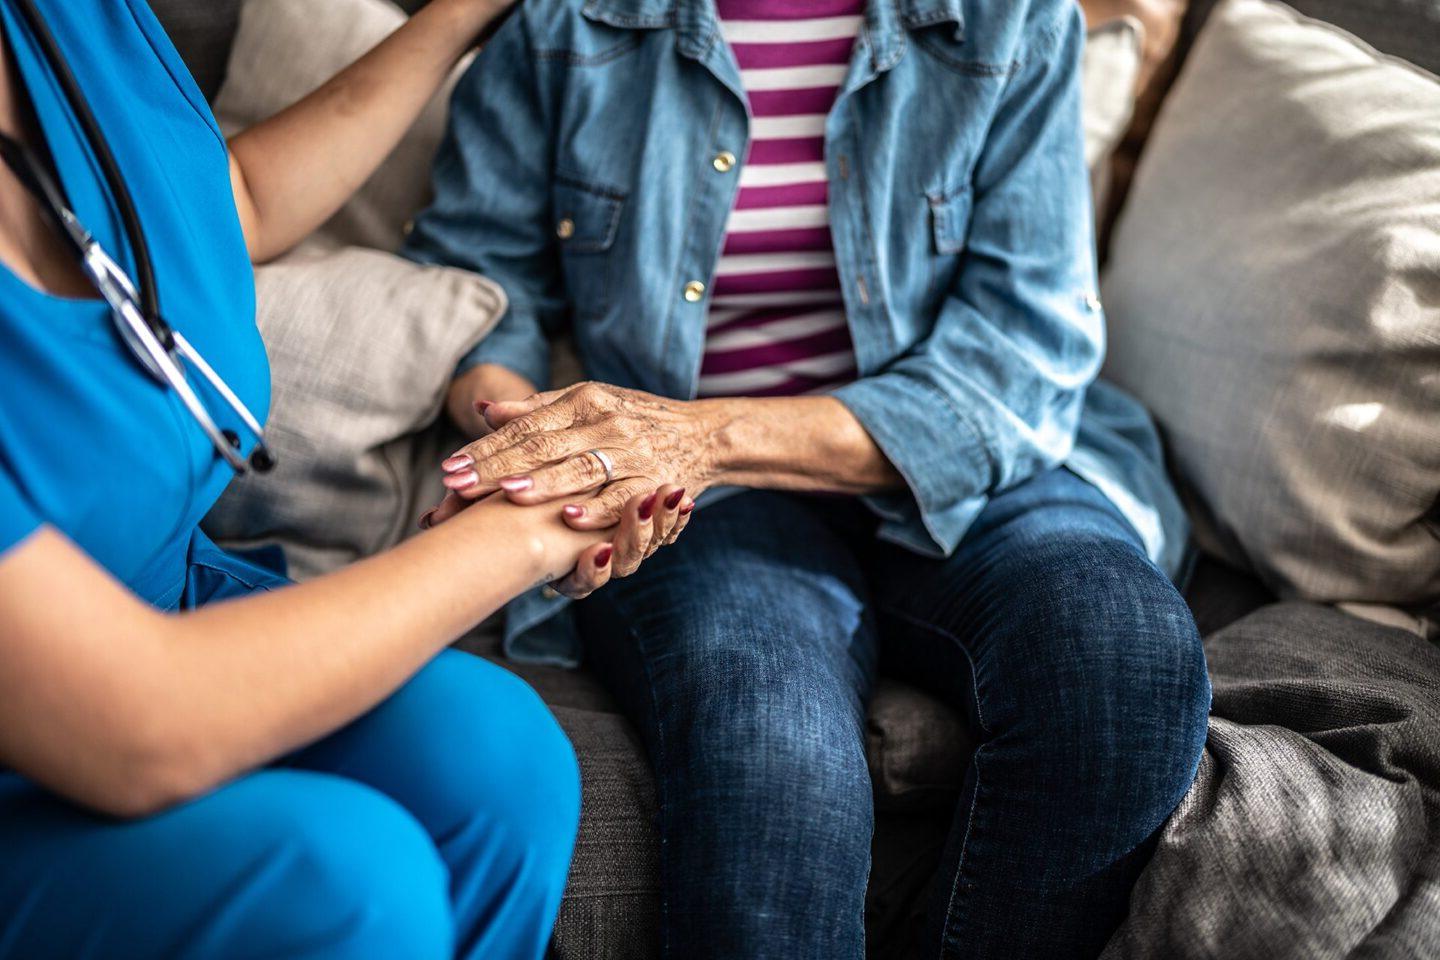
(1313, 828)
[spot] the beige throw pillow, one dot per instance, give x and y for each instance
(1273, 293)
(361, 345)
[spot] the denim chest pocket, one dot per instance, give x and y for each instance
(587, 221)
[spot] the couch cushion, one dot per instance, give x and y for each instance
(1313, 827)
(1274, 297)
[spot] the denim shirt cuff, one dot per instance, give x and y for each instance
(939, 453)
(518, 350)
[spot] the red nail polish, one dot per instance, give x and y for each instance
(647, 507)
(516, 484)
(426, 519)
(458, 462)
(573, 512)
(689, 506)
(603, 555)
(673, 501)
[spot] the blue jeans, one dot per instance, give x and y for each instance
(438, 825)
(746, 654)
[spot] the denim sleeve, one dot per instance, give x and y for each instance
(993, 394)
(491, 211)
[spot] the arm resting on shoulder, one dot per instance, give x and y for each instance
(290, 173)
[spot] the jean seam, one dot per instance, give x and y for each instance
(960, 860)
(926, 625)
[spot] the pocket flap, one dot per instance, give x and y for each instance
(950, 219)
(587, 216)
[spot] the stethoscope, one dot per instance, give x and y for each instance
(158, 347)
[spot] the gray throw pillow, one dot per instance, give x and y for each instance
(1273, 293)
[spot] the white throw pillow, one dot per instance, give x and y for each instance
(285, 49)
(1273, 292)
(1113, 55)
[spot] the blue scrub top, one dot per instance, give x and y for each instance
(90, 444)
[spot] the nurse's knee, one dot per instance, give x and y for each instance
(521, 775)
(342, 872)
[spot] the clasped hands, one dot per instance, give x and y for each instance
(539, 451)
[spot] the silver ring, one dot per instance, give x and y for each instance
(605, 462)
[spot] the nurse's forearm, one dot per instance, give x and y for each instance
(128, 710)
(290, 173)
(271, 672)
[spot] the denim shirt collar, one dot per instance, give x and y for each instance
(886, 22)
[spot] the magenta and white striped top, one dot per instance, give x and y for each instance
(776, 325)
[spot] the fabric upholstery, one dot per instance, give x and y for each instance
(1160, 22)
(1111, 72)
(1288, 337)
(1313, 828)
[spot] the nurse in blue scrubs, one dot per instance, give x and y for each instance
(195, 762)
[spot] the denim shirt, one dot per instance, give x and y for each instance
(584, 170)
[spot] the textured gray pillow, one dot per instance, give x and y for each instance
(1274, 296)
(361, 344)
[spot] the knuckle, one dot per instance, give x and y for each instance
(591, 396)
(588, 390)
(516, 429)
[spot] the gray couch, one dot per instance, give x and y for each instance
(918, 747)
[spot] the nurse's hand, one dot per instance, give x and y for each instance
(648, 521)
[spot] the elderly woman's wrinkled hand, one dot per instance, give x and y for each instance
(597, 445)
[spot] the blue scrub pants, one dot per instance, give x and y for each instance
(440, 824)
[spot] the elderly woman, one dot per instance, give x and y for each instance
(830, 264)
(198, 759)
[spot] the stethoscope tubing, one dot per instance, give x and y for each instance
(156, 346)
